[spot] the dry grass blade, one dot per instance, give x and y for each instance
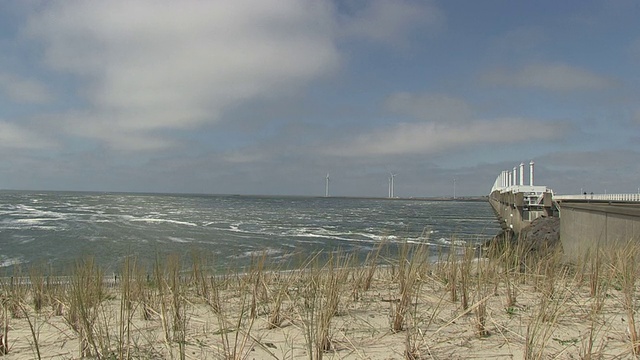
(4, 326)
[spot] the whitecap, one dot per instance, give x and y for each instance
(253, 253)
(154, 220)
(443, 241)
(6, 262)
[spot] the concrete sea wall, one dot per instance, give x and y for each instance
(585, 227)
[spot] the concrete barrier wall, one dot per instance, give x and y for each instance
(586, 227)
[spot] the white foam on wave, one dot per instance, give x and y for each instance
(155, 220)
(6, 262)
(324, 233)
(179, 240)
(26, 240)
(235, 226)
(252, 253)
(444, 241)
(253, 229)
(32, 221)
(31, 212)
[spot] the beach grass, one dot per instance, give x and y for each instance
(512, 305)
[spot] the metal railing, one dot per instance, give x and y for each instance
(600, 197)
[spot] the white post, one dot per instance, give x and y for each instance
(531, 173)
(515, 176)
(521, 174)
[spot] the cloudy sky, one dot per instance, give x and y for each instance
(267, 97)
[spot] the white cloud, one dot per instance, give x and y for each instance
(152, 65)
(591, 160)
(13, 136)
(429, 107)
(112, 129)
(555, 77)
(24, 91)
(430, 138)
(389, 21)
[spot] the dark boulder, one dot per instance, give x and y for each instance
(540, 237)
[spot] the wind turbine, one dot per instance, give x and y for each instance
(454, 188)
(326, 187)
(391, 185)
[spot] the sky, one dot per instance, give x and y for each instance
(267, 97)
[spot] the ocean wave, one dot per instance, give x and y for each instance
(254, 253)
(156, 220)
(444, 241)
(32, 221)
(179, 240)
(6, 262)
(29, 211)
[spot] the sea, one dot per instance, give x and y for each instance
(58, 229)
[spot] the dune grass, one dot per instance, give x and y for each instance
(331, 305)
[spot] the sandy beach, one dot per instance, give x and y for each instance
(402, 308)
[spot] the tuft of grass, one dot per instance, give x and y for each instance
(37, 280)
(550, 307)
(84, 296)
(482, 294)
(281, 294)
(627, 272)
(465, 274)
(411, 259)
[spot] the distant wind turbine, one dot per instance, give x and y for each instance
(454, 188)
(326, 187)
(391, 185)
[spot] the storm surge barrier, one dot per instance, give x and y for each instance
(517, 204)
(587, 221)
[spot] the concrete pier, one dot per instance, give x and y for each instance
(518, 207)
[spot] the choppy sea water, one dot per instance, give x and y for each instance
(58, 228)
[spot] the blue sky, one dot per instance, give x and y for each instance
(267, 97)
